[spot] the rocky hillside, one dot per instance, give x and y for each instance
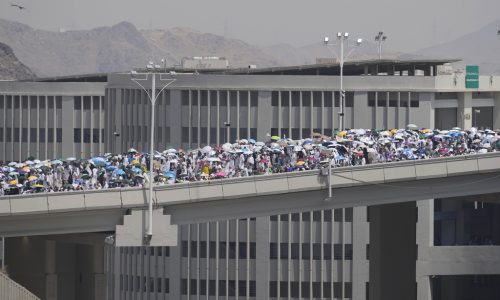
(10, 67)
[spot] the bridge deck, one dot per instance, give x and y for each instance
(237, 188)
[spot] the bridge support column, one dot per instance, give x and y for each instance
(424, 288)
(464, 111)
(50, 271)
(425, 240)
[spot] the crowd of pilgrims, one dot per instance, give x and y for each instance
(246, 157)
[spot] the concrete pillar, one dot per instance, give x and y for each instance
(264, 110)
(424, 288)
(50, 270)
(99, 277)
(67, 128)
(496, 111)
(362, 112)
(361, 266)
(174, 116)
(464, 111)
(262, 236)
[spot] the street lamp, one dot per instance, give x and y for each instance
(341, 37)
(151, 69)
(380, 38)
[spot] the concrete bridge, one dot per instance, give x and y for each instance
(103, 210)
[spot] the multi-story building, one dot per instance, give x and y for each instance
(423, 250)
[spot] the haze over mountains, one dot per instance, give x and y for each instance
(10, 67)
(122, 47)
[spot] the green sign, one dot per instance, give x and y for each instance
(472, 77)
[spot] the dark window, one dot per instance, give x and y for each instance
(284, 132)
(338, 214)
(77, 135)
(242, 250)
(24, 135)
(211, 287)
(194, 249)
(337, 289)
(50, 137)
(336, 96)
(337, 251)
(316, 251)
(86, 135)
(306, 99)
(254, 98)
(328, 99)
(253, 288)
(349, 99)
(232, 288)
(184, 249)
(232, 250)
(404, 99)
(16, 134)
(371, 98)
(222, 288)
(183, 286)
(17, 101)
(393, 99)
(327, 289)
(348, 251)
(305, 289)
(295, 99)
(242, 288)
(59, 135)
(284, 289)
(294, 289)
(42, 135)
(166, 289)
(306, 216)
(86, 102)
(381, 99)
(414, 100)
(284, 250)
(77, 102)
(33, 138)
(327, 251)
(306, 132)
(317, 99)
(96, 102)
(203, 249)
(284, 217)
(24, 102)
(273, 289)
(58, 102)
(285, 99)
(1, 135)
(348, 289)
(193, 287)
(273, 251)
(348, 214)
(327, 216)
(296, 217)
(203, 286)
(295, 133)
(306, 253)
(274, 98)
(222, 250)
(253, 250)
(95, 135)
(294, 250)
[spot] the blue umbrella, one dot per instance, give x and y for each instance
(110, 168)
(119, 172)
(170, 174)
(136, 170)
(99, 161)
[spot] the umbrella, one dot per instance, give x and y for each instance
(170, 174)
(38, 185)
(171, 150)
(206, 149)
(412, 127)
(85, 176)
(119, 172)
(243, 141)
(70, 159)
(29, 162)
(110, 168)
(13, 174)
(99, 161)
(260, 144)
(57, 162)
(12, 163)
(136, 170)
(251, 141)
(275, 138)
(132, 150)
(32, 178)
(212, 159)
(220, 174)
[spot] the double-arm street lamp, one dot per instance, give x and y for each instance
(380, 38)
(138, 77)
(342, 38)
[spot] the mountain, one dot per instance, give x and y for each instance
(120, 47)
(10, 67)
(180, 42)
(481, 47)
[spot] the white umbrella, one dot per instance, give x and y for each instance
(206, 149)
(411, 127)
(29, 162)
(260, 144)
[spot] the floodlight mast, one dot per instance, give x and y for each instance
(151, 70)
(341, 37)
(380, 38)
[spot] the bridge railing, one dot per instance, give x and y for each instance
(250, 186)
(11, 290)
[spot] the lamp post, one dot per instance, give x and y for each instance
(380, 38)
(151, 70)
(341, 37)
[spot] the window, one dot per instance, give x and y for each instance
(222, 250)
(371, 98)
(77, 103)
(58, 102)
(284, 250)
(393, 99)
(295, 99)
(294, 250)
(254, 98)
(306, 253)
(203, 249)
(242, 250)
(327, 251)
(327, 216)
(33, 135)
(96, 103)
(193, 287)
(414, 100)
(86, 135)
(183, 286)
(317, 251)
(24, 135)
(305, 289)
(404, 99)
(317, 99)
(349, 99)
(16, 134)
(382, 99)
(274, 98)
(59, 135)
(273, 251)
(50, 137)
(95, 135)
(77, 134)
(317, 215)
(42, 135)
(242, 288)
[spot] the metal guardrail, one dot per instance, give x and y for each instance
(122, 198)
(11, 290)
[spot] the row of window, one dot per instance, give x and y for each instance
(35, 102)
(87, 134)
(224, 100)
(383, 99)
(139, 97)
(16, 136)
(305, 290)
(200, 287)
(295, 132)
(88, 102)
(306, 251)
(130, 283)
(213, 134)
(160, 251)
(225, 250)
(316, 100)
(316, 215)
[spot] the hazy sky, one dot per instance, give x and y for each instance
(409, 24)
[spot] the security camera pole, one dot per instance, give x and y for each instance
(341, 36)
(151, 70)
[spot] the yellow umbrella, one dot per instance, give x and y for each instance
(13, 182)
(38, 185)
(32, 177)
(342, 133)
(301, 162)
(135, 162)
(393, 131)
(425, 130)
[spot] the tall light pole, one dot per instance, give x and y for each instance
(151, 70)
(341, 37)
(380, 38)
